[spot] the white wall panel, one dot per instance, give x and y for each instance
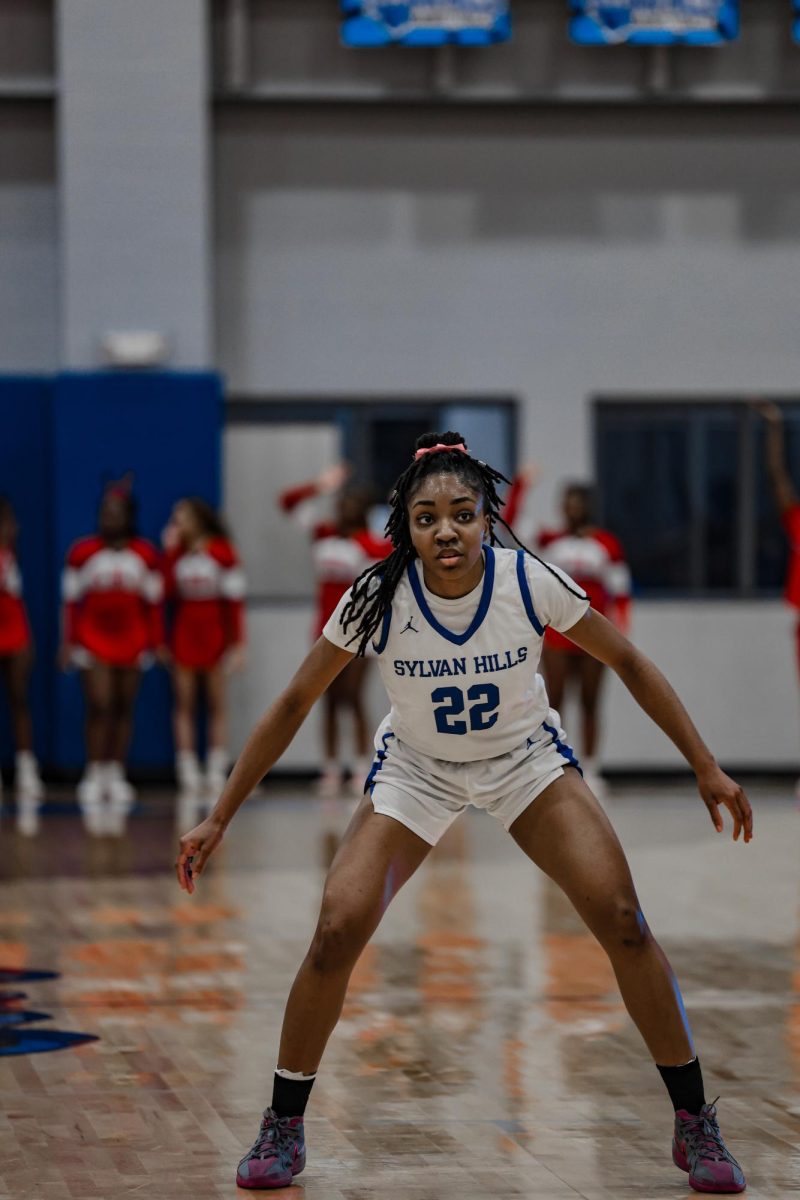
(260, 461)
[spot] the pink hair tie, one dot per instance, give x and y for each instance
(440, 446)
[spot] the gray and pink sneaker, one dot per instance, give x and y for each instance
(279, 1153)
(698, 1148)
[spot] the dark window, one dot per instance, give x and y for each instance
(684, 486)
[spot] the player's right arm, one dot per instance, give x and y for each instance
(265, 745)
(782, 487)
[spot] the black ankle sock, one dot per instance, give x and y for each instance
(685, 1086)
(290, 1096)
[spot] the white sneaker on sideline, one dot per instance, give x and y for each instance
(190, 809)
(27, 781)
(188, 772)
(217, 770)
(90, 796)
(121, 798)
(27, 814)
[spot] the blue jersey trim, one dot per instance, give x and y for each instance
(527, 599)
(380, 645)
(486, 595)
(379, 761)
(563, 749)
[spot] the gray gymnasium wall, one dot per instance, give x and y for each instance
(29, 332)
(548, 254)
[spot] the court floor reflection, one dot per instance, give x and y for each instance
(483, 1049)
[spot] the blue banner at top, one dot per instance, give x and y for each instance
(796, 20)
(425, 22)
(654, 22)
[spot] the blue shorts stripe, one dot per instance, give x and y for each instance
(563, 749)
(378, 763)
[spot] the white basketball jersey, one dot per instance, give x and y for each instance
(476, 694)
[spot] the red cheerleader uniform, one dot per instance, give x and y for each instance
(113, 601)
(207, 588)
(15, 633)
(338, 558)
(596, 562)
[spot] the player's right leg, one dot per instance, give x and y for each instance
(376, 857)
(97, 691)
(184, 711)
(353, 679)
(15, 670)
(555, 666)
(330, 780)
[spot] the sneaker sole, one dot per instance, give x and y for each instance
(719, 1191)
(255, 1185)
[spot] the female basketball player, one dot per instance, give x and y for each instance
(112, 624)
(16, 660)
(342, 548)
(458, 628)
(206, 584)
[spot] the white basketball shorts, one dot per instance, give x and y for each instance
(427, 794)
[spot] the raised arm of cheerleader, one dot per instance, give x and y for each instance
(297, 499)
(524, 480)
(783, 489)
(654, 694)
(267, 742)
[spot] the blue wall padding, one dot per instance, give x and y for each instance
(25, 474)
(63, 440)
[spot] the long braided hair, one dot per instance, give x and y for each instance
(372, 593)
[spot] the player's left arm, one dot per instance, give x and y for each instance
(653, 693)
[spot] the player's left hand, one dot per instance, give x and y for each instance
(717, 788)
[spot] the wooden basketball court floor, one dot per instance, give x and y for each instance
(483, 1051)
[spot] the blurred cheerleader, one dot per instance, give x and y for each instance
(206, 588)
(112, 626)
(16, 660)
(596, 561)
(342, 548)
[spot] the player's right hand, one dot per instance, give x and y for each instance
(196, 847)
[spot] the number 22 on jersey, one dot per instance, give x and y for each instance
(484, 702)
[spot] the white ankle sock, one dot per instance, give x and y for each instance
(293, 1074)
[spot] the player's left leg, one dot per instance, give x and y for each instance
(16, 670)
(217, 708)
(566, 833)
(333, 703)
(121, 794)
(353, 679)
(591, 672)
(590, 675)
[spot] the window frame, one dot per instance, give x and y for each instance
(688, 406)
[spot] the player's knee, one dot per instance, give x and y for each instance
(338, 940)
(623, 927)
(98, 708)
